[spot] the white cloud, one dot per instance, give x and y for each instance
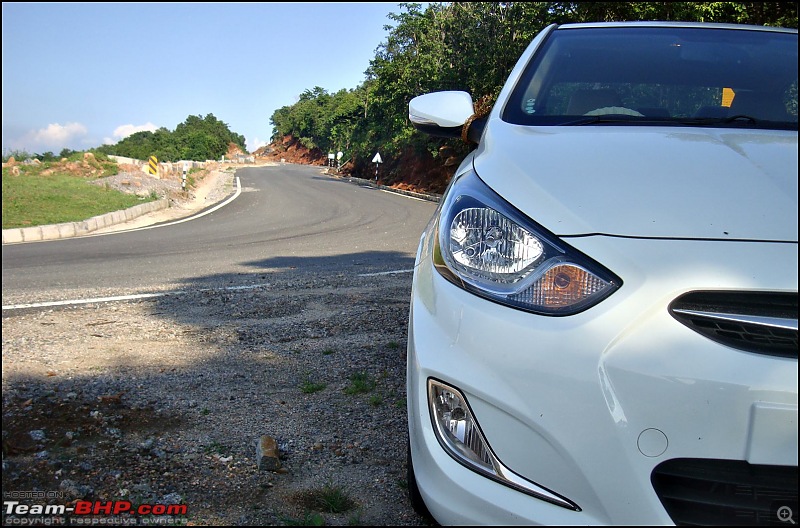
(123, 131)
(54, 137)
(254, 144)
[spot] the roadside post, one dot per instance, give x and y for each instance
(331, 157)
(183, 180)
(152, 166)
(377, 161)
(339, 160)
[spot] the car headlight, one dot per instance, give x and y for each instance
(486, 246)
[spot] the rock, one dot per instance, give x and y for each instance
(73, 490)
(171, 498)
(267, 455)
(37, 435)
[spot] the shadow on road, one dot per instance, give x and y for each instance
(163, 399)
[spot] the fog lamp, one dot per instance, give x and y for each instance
(459, 434)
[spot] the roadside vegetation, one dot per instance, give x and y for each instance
(469, 46)
(52, 192)
(197, 138)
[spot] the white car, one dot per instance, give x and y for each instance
(603, 324)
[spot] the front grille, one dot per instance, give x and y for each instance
(760, 322)
(701, 492)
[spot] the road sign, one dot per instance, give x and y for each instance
(377, 160)
(153, 168)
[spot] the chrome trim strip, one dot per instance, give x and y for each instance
(774, 322)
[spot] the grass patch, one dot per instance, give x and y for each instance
(310, 387)
(331, 499)
(360, 382)
(375, 400)
(31, 198)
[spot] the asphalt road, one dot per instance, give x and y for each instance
(288, 217)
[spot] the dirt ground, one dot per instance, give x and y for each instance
(162, 402)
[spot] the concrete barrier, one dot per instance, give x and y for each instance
(84, 227)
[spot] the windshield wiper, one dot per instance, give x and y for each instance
(609, 118)
(741, 118)
(636, 120)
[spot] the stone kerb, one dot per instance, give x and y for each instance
(73, 229)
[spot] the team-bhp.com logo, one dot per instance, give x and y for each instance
(81, 508)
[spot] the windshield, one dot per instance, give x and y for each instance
(660, 75)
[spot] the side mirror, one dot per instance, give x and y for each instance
(441, 114)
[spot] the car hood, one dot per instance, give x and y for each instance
(646, 181)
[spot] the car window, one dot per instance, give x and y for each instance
(646, 75)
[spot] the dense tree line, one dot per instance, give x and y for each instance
(198, 138)
(469, 46)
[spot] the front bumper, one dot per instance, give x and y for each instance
(588, 405)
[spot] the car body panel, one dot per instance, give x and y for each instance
(675, 182)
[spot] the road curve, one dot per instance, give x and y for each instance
(288, 217)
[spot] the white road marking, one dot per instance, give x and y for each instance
(407, 196)
(385, 273)
(219, 205)
(182, 220)
(134, 297)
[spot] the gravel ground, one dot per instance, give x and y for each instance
(163, 400)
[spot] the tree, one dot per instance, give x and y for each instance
(469, 46)
(197, 138)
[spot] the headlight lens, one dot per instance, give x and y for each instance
(489, 248)
(486, 243)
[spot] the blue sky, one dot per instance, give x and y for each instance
(78, 75)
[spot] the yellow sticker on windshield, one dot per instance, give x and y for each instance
(727, 97)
